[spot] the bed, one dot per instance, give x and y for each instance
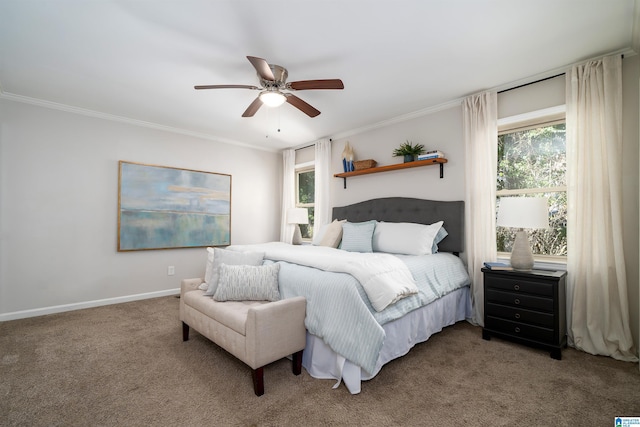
(351, 334)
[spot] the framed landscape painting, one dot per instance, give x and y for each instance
(162, 207)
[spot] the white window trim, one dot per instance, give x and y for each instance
(520, 120)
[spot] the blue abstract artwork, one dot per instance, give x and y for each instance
(163, 208)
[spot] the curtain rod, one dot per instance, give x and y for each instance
(538, 81)
(530, 83)
(310, 145)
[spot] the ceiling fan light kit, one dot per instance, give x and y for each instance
(272, 98)
(273, 82)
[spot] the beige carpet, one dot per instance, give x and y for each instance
(126, 365)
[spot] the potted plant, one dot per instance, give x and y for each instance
(409, 151)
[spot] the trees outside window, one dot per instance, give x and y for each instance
(532, 162)
(305, 194)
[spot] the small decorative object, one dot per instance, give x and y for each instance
(347, 157)
(523, 212)
(364, 164)
(409, 151)
(297, 216)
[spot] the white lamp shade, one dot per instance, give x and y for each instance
(523, 212)
(298, 216)
(272, 99)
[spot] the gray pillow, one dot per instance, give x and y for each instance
(248, 283)
(225, 256)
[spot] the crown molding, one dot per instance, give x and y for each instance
(399, 119)
(127, 120)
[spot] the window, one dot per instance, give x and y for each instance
(532, 162)
(305, 193)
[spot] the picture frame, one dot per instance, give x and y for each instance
(162, 207)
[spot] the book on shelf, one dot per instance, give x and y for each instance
(435, 154)
(497, 266)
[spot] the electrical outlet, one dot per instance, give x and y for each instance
(171, 270)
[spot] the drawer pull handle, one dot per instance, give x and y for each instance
(517, 301)
(517, 330)
(517, 315)
(516, 287)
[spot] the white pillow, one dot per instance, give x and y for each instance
(405, 238)
(330, 234)
(248, 283)
(225, 256)
(208, 272)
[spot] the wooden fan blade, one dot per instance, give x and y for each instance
(262, 67)
(226, 87)
(316, 84)
(301, 105)
(253, 108)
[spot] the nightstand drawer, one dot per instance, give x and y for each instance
(515, 329)
(513, 284)
(519, 300)
(519, 314)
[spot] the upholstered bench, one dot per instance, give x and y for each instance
(256, 332)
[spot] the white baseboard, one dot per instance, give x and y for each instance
(87, 304)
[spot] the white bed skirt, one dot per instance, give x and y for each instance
(402, 334)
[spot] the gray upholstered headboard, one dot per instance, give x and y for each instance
(404, 209)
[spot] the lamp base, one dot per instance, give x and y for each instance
(521, 255)
(297, 235)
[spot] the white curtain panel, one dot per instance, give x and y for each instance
(288, 193)
(322, 207)
(597, 304)
(481, 151)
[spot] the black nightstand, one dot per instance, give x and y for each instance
(527, 307)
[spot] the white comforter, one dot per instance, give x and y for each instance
(385, 278)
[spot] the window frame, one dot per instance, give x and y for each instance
(521, 122)
(299, 169)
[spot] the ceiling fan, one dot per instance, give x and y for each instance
(273, 82)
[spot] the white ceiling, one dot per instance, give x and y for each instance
(139, 60)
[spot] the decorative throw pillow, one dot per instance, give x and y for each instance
(441, 234)
(317, 237)
(405, 238)
(226, 256)
(330, 234)
(357, 236)
(208, 270)
(248, 283)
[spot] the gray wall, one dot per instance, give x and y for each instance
(440, 130)
(59, 199)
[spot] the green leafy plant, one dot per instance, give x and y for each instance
(408, 149)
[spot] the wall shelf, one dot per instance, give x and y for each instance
(415, 164)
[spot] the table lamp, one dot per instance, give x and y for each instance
(297, 216)
(523, 212)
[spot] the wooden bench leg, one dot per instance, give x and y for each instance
(185, 332)
(258, 381)
(296, 362)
